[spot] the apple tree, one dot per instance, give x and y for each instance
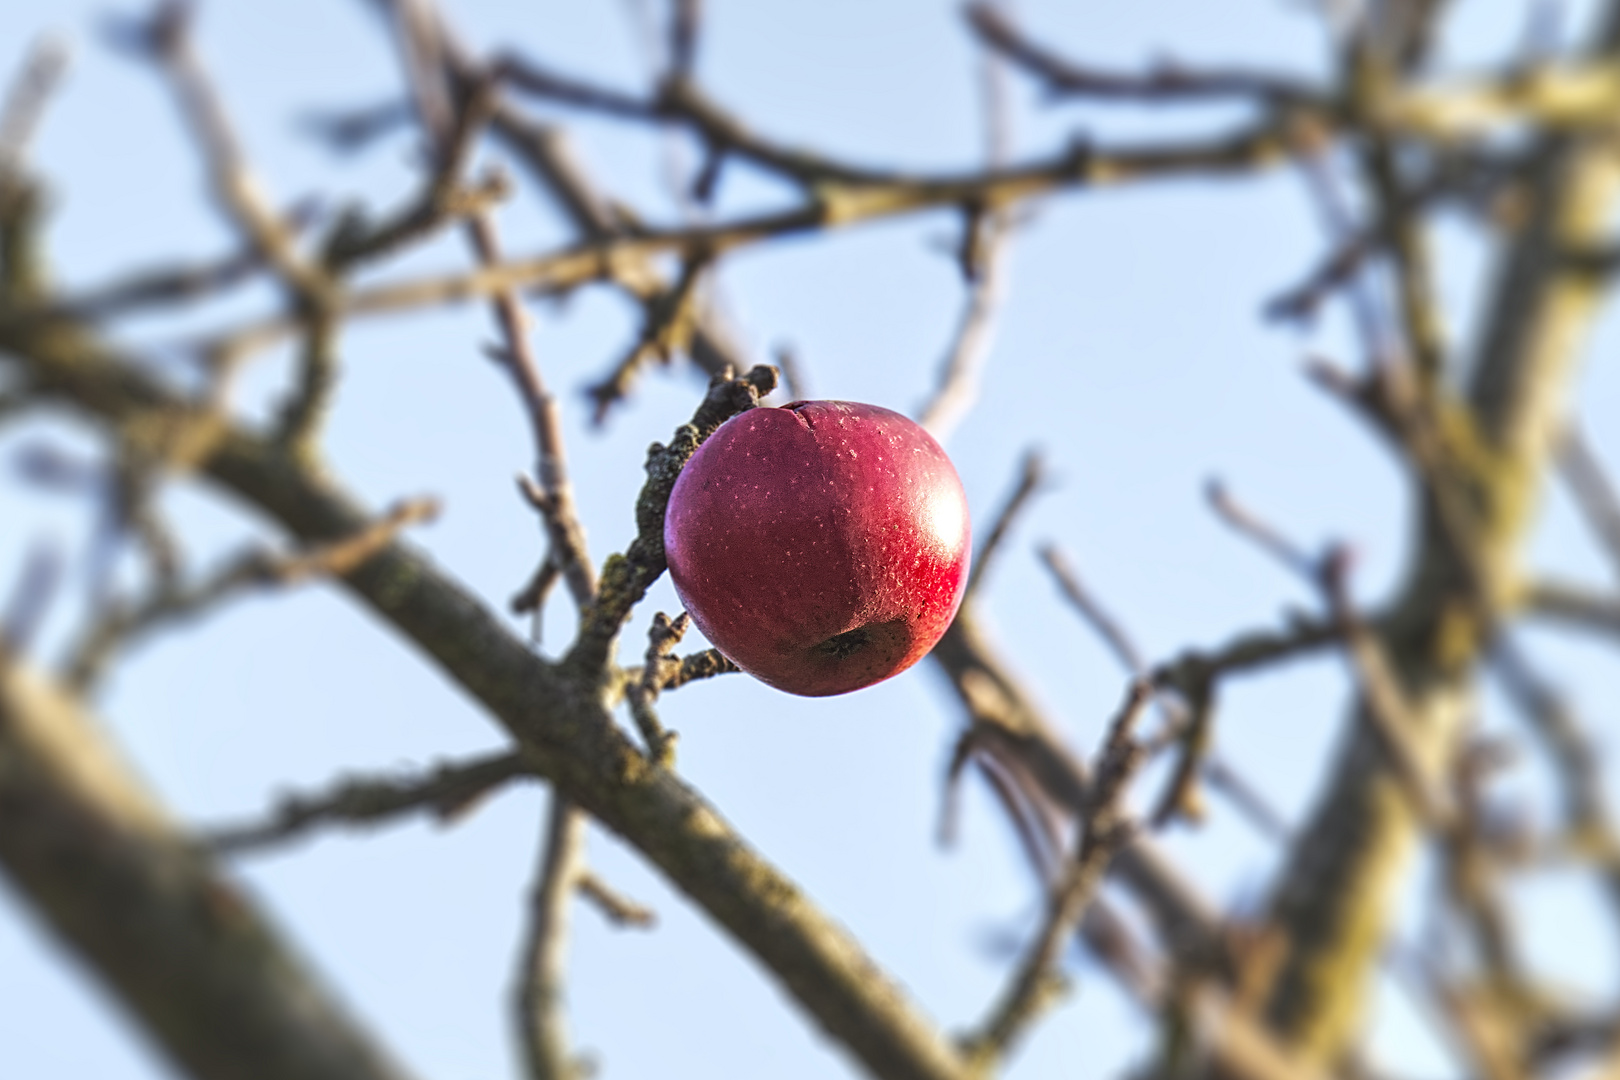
(1467, 210)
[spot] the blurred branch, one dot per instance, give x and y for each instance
(447, 792)
(1095, 615)
(1422, 332)
(1266, 537)
(1594, 493)
(1104, 830)
(685, 21)
(181, 947)
(1062, 78)
(1014, 730)
(1190, 721)
(669, 321)
(1387, 708)
(120, 626)
(616, 909)
(1573, 605)
(165, 38)
(30, 600)
(835, 205)
(162, 286)
(1333, 899)
(984, 258)
(1031, 477)
(42, 70)
(539, 999)
(566, 732)
(1575, 758)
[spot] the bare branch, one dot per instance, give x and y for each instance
(446, 792)
(1573, 605)
(668, 325)
(166, 38)
(121, 626)
(1013, 730)
(1096, 616)
(162, 286)
(183, 947)
(25, 100)
(685, 21)
(1578, 763)
(625, 578)
(540, 993)
(30, 600)
(1105, 830)
(1594, 492)
(1062, 77)
(616, 909)
(659, 670)
(1268, 538)
(1031, 475)
(703, 665)
(1386, 706)
(1189, 721)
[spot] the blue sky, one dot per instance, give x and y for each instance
(1132, 350)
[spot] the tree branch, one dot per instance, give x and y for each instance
(182, 947)
(565, 730)
(446, 792)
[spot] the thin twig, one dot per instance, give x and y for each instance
(1031, 475)
(1190, 721)
(446, 792)
(1594, 492)
(625, 578)
(1257, 529)
(161, 286)
(1574, 605)
(539, 1000)
(1577, 761)
(1062, 77)
(659, 669)
(30, 599)
(702, 665)
(685, 21)
(452, 130)
(24, 104)
(170, 602)
(1105, 830)
(616, 909)
(166, 38)
(669, 322)
(985, 262)
(1100, 620)
(1370, 316)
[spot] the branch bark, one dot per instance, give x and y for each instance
(1333, 901)
(565, 729)
(179, 943)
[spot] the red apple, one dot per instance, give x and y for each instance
(822, 546)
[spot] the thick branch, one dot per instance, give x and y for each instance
(181, 945)
(565, 729)
(1333, 901)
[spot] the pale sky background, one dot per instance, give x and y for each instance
(1132, 349)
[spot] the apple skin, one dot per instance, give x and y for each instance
(822, 546)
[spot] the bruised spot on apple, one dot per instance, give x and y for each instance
(822, 546)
